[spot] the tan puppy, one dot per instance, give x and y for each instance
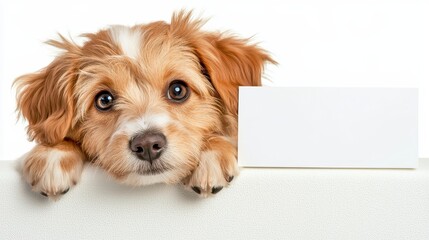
(149, 103)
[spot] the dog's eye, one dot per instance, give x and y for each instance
(178, 91)
(104, 101)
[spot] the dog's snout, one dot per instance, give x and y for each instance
(148, 146)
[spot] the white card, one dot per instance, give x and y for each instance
(328, 127)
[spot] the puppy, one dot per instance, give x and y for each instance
(148, 104)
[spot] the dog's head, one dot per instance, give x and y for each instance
(141, 101)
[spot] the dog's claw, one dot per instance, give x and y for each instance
(230, 179)
(197, 190)
(43, 194)
(216, 189)
(65, 191)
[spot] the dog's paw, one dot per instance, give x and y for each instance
(52, 171)
(215, 171)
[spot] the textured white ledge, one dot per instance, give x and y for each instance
(260, 204)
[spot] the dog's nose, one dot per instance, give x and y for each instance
(148, 146)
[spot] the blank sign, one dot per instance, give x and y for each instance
(328, 127)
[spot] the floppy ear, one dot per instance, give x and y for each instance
(228, 62)
(231, 62)
(45, 98)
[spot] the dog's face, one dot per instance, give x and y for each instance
(141, 101)
(146, 109)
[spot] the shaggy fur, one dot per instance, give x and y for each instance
(137, 65)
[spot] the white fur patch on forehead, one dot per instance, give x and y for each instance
(128, 39)
(131, 127)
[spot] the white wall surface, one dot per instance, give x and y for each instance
(317, 43)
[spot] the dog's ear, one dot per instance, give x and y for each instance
(45, 98)
(229, 63)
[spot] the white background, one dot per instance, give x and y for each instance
(326, 43)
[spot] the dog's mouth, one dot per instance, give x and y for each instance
(154, 168)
